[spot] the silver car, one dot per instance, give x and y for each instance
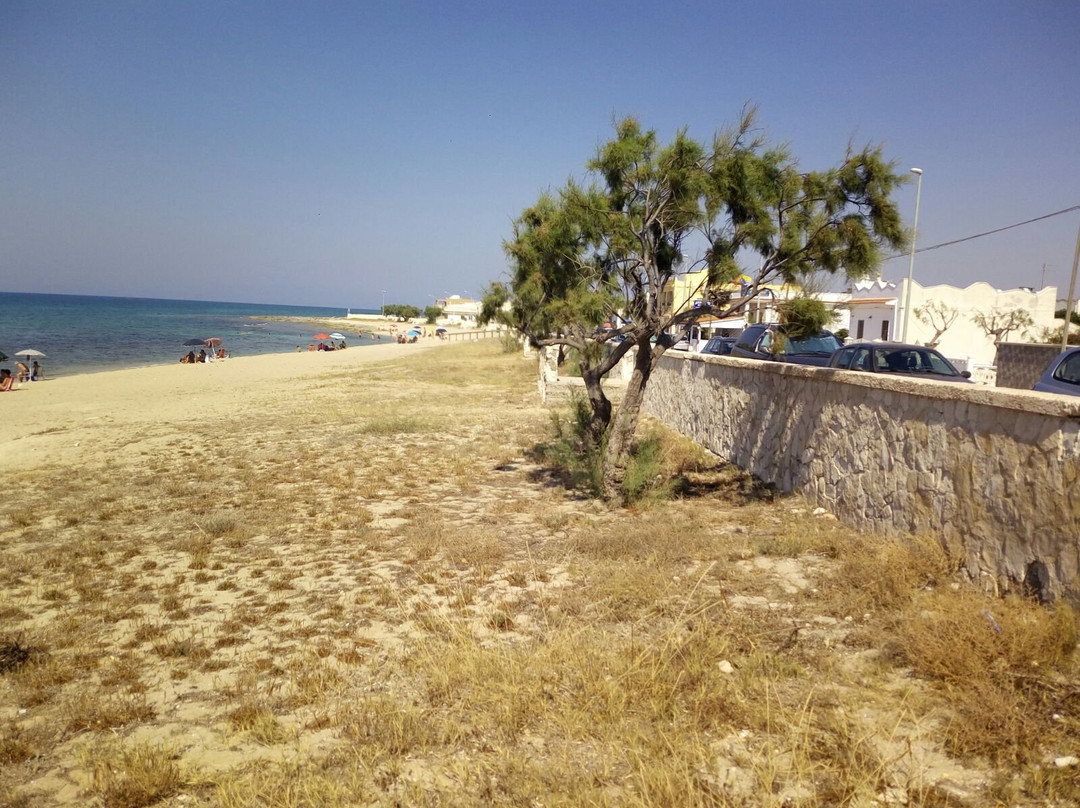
(1063, 374)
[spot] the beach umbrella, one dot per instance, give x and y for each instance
(440, 330)
(28, 353)
(213, 342)
(191, 343)
(412, 333)
(321, 336)
(336, 335)
(3, 356)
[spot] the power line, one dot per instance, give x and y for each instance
(987, 233)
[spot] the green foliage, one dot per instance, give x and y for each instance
(431, 313)
(804, 316)
(586, 254)
(401, 311)
(1074, 319)
(572, 448)
(646, 478)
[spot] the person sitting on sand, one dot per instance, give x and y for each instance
(341, 347)
(220, 353)
(23, 372)
(7, 381)
(188, 359)
(201, 357)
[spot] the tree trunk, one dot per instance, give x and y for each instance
(599, 403)
(623, 427)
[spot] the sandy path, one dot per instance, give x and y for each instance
(59, 421)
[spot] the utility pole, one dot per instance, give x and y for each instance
(1070, 299)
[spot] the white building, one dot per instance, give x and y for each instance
(877, 312)
(458, 310)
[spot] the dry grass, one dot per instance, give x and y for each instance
(395, 605)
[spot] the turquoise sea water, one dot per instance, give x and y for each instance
(81, 334)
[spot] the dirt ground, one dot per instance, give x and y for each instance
(356, 583)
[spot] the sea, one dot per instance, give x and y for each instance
(86, 334)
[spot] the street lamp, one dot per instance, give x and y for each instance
(382, 311)
(911, 263)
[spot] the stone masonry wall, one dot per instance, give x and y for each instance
(994, 474)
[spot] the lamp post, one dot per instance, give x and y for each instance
(911, 263)
(382, 310)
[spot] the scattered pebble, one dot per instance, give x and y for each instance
(1066, 762)
(725, 666)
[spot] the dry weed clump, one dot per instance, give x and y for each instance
(134, 776)
(1006, 667)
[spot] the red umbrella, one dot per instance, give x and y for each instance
(321, 336)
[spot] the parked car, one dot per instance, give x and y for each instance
(768, 341)
(718, 346)
(897, 357)
(1062, 375)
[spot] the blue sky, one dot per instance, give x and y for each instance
(318, 153)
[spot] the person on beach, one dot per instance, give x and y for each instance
(188, 359)
(201, 357)
(23, 373)
(7, 381)
(35, 372)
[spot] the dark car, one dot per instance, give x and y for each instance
(767, 341)
(1062, 375)
(899, 358)
(718, 346)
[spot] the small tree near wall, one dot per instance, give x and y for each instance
(998, 324)
(939, 316)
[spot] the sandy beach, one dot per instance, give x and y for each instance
(56, 421)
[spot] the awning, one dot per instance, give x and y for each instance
(727, 322)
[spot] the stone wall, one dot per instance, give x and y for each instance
(994, 474)
(1019, 365)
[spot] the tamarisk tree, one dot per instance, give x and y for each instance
(602, 252)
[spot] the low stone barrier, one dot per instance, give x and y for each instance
(994, 474)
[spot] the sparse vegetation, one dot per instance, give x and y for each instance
(436, 615)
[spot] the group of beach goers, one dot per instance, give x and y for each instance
(323, 346)
(9, 378)
(192, 358)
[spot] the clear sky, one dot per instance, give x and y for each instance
(319, 153)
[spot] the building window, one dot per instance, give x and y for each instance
(859, 329)
(884, 329)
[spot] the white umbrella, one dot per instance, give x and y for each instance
(336, 335)
(29, 352)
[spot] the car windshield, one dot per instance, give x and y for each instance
(911, 360)
(819, 345)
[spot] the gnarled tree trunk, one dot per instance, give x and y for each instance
(624, 425)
